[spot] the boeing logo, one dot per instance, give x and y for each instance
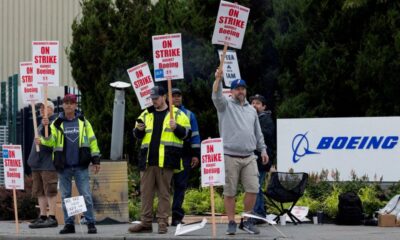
(301, 146)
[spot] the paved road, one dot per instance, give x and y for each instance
(299, 232)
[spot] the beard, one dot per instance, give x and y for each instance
(241, 97)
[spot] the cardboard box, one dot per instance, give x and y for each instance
(387, 220)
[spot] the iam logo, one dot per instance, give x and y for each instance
(301, 147)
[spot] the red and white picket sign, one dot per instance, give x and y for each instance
(13, 167)
(45, 62)
(212, 162)
(142, 83)
(167, 57)
(230, 25)
(30, 90)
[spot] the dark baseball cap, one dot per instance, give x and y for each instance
(238, 83)
(157, 91)
(259, 98)
(176, 91)
(70, 98)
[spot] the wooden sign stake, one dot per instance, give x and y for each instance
(15, 211)
(46, 127)
(221, 64)
(171, 110)
(35, 129)
(214, 226)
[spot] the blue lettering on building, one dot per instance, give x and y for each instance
(301, 146)
(358, 142)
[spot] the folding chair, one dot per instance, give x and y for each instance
(286, 187)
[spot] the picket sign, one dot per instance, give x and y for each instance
(182, 229)
(30, 92)
(142, 83)
(212, 170)
(167, 56)
(231, 67)
(229, 30)
(75, 205)
(231, 24)
(45, 63)
(13, 173)
(168, 63)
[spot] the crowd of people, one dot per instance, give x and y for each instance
(169, 151)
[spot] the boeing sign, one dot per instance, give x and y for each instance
(368, 146)
(300, 147)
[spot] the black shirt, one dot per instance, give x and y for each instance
(156, 137)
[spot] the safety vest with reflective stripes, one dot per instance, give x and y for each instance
(170, 149)
(87, 139)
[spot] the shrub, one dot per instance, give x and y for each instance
(197, 201)
(313, 204)
(25, 203)
(369, 199)
(134, 209)
(330, 203)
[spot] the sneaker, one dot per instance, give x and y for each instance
(38, 219)
(231, 228)
(50, 222)
(91, 228)
(140, 228)
(68, 228)
(258, 221)
(162, 228)
(249, 227)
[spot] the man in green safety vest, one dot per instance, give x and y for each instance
(160, 153)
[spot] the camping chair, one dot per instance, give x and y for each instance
(286, 187)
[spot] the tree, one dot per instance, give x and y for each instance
(113, 36)
(344, 64)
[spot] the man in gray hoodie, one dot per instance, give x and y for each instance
(240, 130)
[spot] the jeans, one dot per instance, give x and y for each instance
(81, 176)
(180, 184)
(259, 207)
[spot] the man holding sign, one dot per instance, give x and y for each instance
(44, 177)
(190, 159)
(75, 147)
(160, 153)
(241, 132)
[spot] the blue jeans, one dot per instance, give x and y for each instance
(81, 176)
(259, 207)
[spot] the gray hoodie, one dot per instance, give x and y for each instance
(238, 125)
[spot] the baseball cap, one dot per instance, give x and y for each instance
(70, 98)
(157, 91)
(259, 98)
(176, 91)
(238, 83)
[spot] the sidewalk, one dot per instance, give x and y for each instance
(120, 231)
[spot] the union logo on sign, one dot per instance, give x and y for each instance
(159, 73)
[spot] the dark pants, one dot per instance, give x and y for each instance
(181, 180)
(259, 206)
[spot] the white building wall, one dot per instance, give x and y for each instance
(22, 21)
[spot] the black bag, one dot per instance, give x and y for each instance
(350, 210)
